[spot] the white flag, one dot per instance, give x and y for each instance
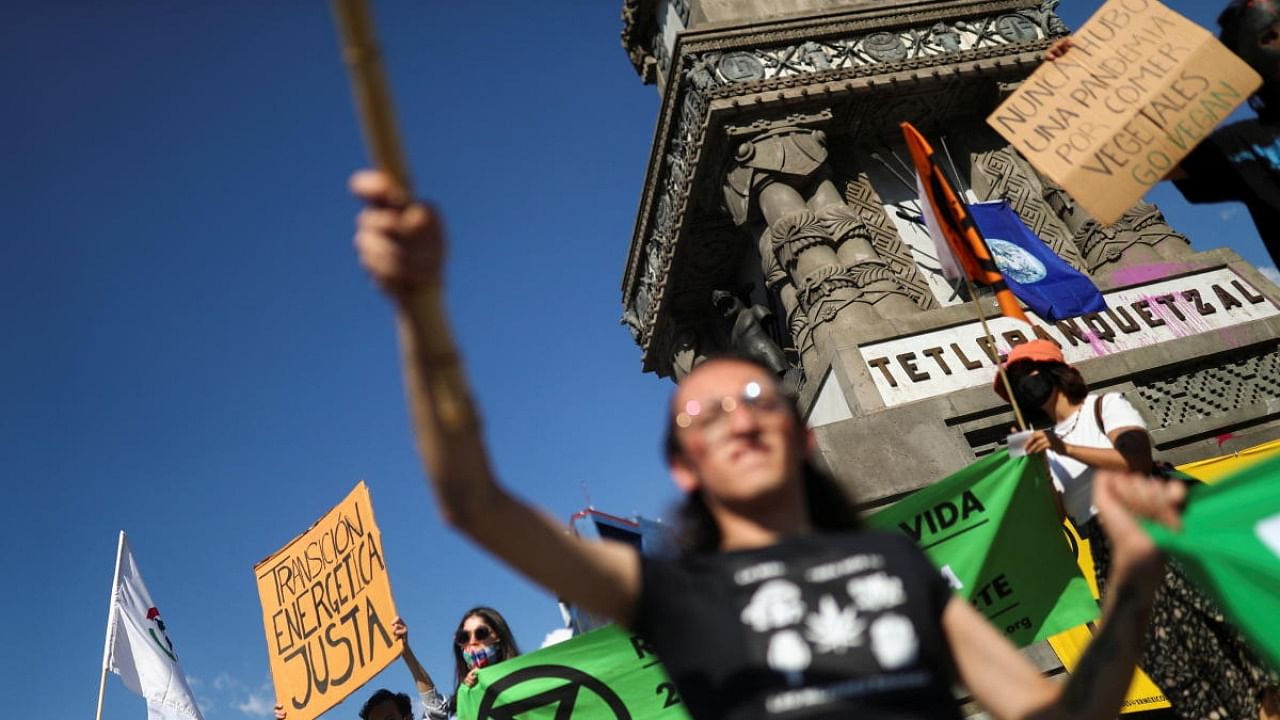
(950, 268)
(138, 648)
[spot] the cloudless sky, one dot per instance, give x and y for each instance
(191, 354)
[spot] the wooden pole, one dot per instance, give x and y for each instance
(1004, 377)
(369, 85)
(424, 317)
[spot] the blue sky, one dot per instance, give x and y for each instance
(193, 356)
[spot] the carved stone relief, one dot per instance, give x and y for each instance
(866, 205)
(1141, 235)
(886, 46)
(707, 73)
(781, 176)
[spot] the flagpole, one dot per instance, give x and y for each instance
(986, 331)
(111, 626)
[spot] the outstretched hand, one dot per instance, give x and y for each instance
(400, 630)
(400, 241)
(1042, 440)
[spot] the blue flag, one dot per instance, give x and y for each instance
(1037, 276)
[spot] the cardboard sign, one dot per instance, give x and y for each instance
(607, 674)
(1139, 89)
(327, 609)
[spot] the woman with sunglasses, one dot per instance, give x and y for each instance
(782, 604)
(483, 638)
(1198, 660)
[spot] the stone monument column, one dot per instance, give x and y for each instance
(780, 180)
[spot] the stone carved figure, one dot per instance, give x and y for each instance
(685, 352)
(747, 335)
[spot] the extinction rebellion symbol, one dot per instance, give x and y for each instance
(563, 696)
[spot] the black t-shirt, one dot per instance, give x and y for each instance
(1239, 161)
(817, 626)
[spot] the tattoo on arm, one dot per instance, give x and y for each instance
(1120, 640)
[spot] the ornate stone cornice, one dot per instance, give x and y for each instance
(756, 70)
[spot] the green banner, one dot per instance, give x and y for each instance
(993, 531)
(606, 674)
(1229, 546)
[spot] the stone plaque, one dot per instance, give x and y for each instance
(942, 361)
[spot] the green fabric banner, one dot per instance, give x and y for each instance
(993, 531)
(606, 674)
(1229, 546)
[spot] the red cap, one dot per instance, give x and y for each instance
(1038, 350)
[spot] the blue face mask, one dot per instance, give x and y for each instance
(484, 656)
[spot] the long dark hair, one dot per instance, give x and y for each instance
(828, 505)
(507, 647)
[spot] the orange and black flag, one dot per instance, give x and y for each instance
(954, 222)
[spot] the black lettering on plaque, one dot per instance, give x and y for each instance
(883, 364)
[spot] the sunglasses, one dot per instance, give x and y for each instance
(464, 636)
(712, 416)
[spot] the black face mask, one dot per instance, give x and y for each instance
(1031, 391)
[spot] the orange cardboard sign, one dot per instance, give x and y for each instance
(1140, 87)
(327, 609)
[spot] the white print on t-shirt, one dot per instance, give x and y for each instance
(840, 568)
(1268, 531)
(789, 655)
(893, 641)
(877, 592)
(831, 629)
(775, 604)
(762, 571)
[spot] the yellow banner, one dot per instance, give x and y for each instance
(327, 609)
(1070, 644)
(1214, 469)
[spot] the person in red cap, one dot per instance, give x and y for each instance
(1193, 654)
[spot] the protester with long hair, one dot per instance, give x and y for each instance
(1199, 661)
(781, 604)
(483, 638)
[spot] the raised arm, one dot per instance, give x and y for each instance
(1008, 685)
(421, 679)
(401, 243)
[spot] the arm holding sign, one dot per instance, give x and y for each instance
(1008, 686)
(401, 243)
(435, 704)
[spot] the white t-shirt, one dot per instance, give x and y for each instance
(1073, 478)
